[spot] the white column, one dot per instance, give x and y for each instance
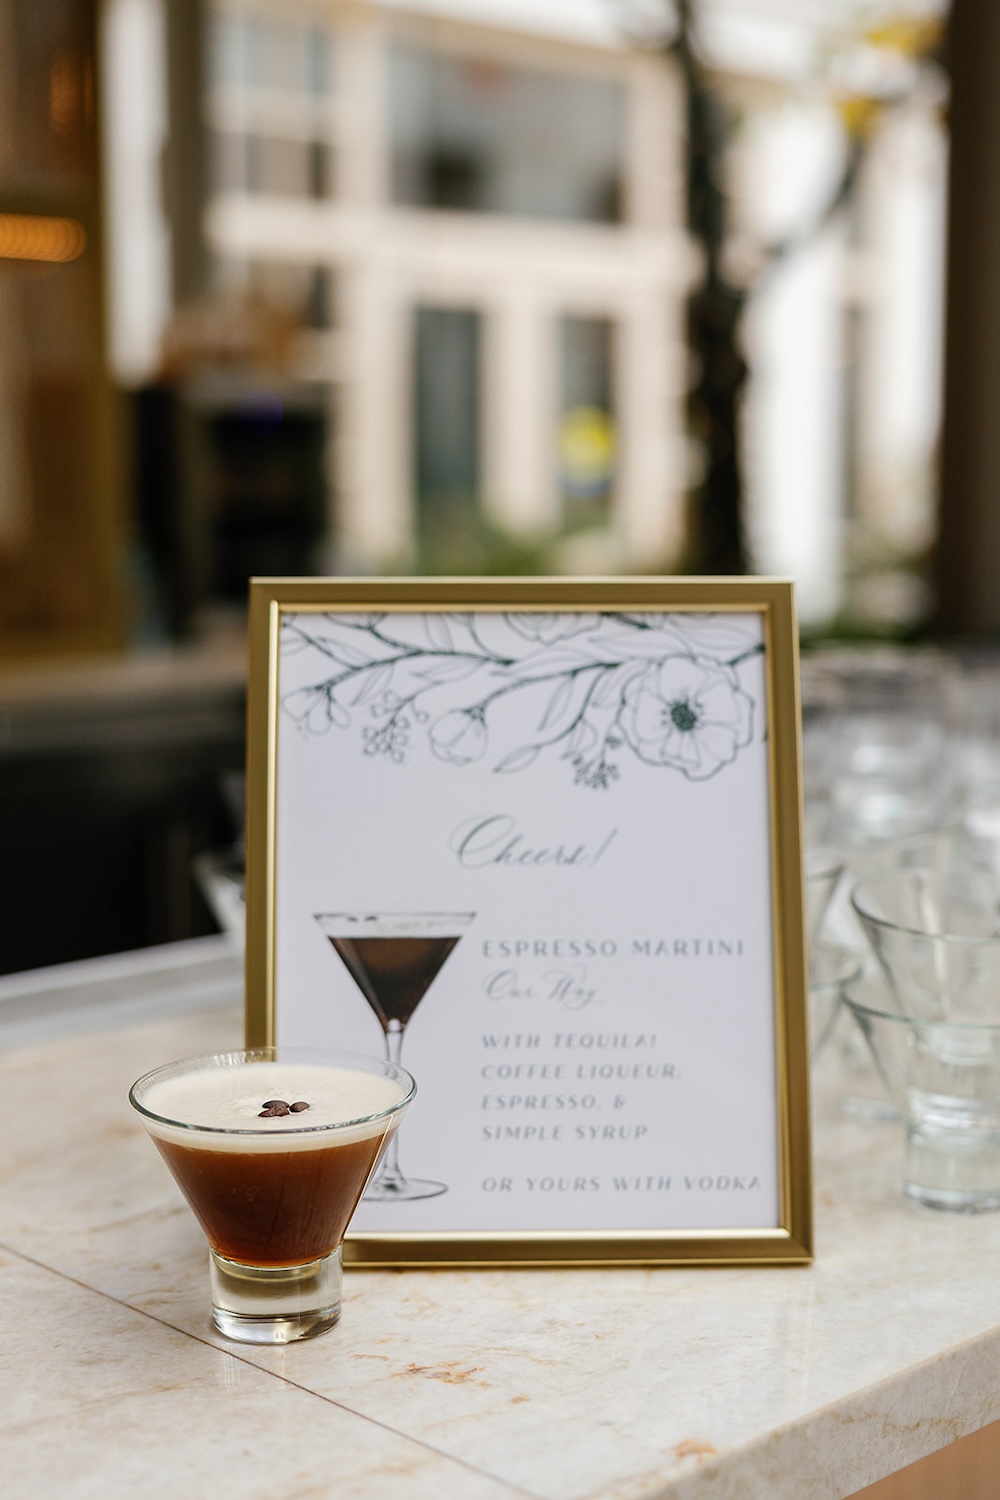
(793, 425)
(361, 110)
(373, 417)
(899, 416)
(520, 489)
(374, 452)
(654, 186)
(135, 130)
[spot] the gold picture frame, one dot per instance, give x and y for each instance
(371, 700)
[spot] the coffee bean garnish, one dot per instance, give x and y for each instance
(298, 1106)
(274, 1103)
(273, 1109)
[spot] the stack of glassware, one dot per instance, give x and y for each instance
(902, 779)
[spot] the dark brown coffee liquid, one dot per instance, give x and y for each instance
(273, 1208)
(394, 973)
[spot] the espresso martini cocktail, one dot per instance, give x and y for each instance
(272, 1150)
(394, 958)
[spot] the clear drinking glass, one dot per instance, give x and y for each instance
(830, 970)
(944, 1078)
(933, 1027)
(875, 740)
(936, 935)
(823, 869)
(394, 958)
(272, 1148)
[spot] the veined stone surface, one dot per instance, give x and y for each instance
(718, 1384)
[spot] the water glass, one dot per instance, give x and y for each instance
(831, 969)
(944, 1078)
(936, 935)
(874, 739)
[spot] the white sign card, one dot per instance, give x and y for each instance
(530, 850)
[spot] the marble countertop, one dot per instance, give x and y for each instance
(720, 1384)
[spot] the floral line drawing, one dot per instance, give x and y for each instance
(664, 687)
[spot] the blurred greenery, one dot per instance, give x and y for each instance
(457, 539)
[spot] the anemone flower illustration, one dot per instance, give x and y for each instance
(503, 690)
(689, 713)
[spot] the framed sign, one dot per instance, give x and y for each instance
(540, 840)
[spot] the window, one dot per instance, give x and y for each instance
(270, 81)
(446, 409)
(251, 53)
(482, 137)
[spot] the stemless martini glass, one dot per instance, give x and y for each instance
(272, 1149)
(394, 958)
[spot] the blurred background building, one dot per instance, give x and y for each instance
(474, 238)
(444, 256)
(466, 286)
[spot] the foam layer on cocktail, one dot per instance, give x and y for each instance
(226, 1104)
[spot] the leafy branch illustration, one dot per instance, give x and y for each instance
(664, 687)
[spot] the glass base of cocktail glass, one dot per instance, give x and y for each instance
(956, 1171)
(275, 1304)
(944, 1079)
(389, 1184)
(393, 1187)
(864, 1096)
(273, 1148)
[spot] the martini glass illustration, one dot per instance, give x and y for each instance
(394, 958)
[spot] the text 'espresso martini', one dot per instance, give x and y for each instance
(272, 1156)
